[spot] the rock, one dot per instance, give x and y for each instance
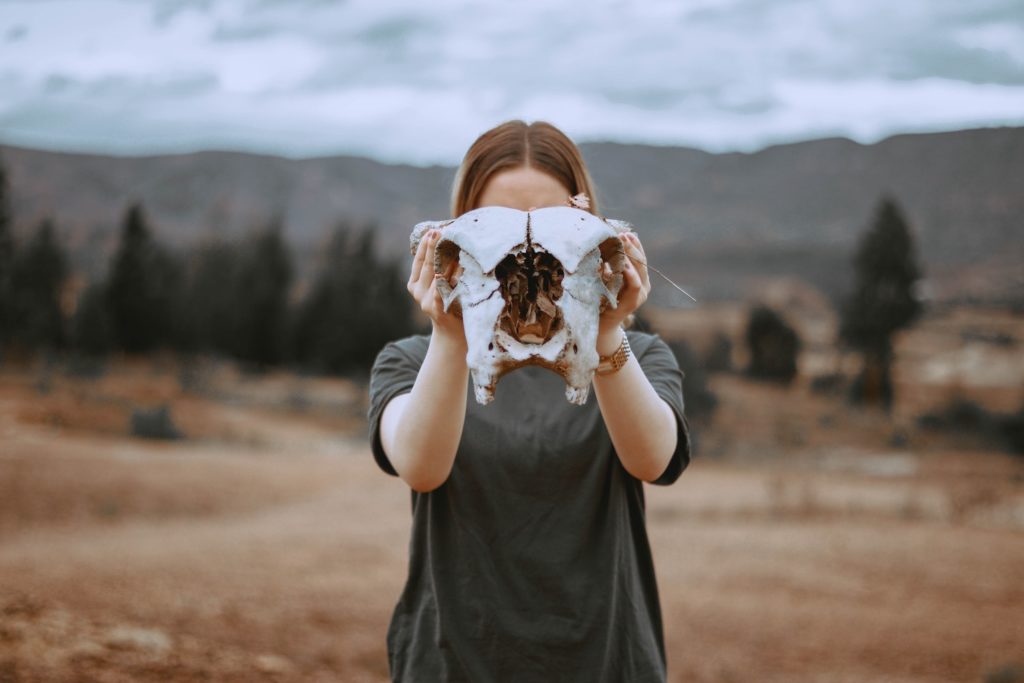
(273, 664)
(134, 638)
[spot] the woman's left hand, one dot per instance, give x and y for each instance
(636, 285)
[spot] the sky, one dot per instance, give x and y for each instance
(415, 82)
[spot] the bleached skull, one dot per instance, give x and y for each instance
(531, 289)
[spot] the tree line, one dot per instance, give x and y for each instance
(230, 298)
(233, 298)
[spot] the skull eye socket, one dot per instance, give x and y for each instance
(613, 254)
(531, 283)
(447, 254)
(446, 261)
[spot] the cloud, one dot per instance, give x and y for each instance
(15, 33)
(413, 82)
(165, 11)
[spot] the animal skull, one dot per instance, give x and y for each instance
(530, 289)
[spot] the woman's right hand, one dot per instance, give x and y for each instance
(422, 286)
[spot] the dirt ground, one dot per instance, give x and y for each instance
(801, 545)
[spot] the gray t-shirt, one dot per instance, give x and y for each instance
(531, 562)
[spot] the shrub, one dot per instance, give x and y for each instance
(962, 416)
(719, 355)
(773, 346)
(1012, 429)
(1011, 673)
(154, 423)
(828, 384)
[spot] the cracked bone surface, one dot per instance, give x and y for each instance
(530, 289)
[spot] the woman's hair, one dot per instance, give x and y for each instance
(513, 144)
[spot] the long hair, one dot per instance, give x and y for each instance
(513, 144)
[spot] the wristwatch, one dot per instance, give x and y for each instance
(610, 364)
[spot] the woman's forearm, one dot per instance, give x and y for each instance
(420, 431)
(642, 426)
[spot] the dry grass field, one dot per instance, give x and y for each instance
(804, 543)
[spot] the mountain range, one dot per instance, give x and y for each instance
(716, 222)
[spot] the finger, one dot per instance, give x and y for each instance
(642, 291)
(639, 258)
(645, 276)
(635, 240)
(633, 248)
(417, 261)
(629, 247)
(431, 301)
(630, 279)
(427, 269)
(636, 259)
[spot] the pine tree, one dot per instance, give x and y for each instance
(261, 291)
(37, 279)
(6, 263)
(91, 328)
(356, 305)
(884, 298)
(210, 297)
(142, 288)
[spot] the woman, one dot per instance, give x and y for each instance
(529, 558)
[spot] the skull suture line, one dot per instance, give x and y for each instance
(531, 289)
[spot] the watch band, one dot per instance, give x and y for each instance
(610, 364)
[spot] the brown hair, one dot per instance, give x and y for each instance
(513, 144)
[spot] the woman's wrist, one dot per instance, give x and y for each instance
(608, 340)
(449, 340)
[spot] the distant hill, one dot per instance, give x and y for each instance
(716, 221)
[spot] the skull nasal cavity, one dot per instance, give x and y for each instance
(531, 283)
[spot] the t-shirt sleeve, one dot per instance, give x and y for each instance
(394, 372)
(662, 370)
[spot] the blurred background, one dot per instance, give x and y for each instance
(204, 218)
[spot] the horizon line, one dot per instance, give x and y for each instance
(189, 150)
